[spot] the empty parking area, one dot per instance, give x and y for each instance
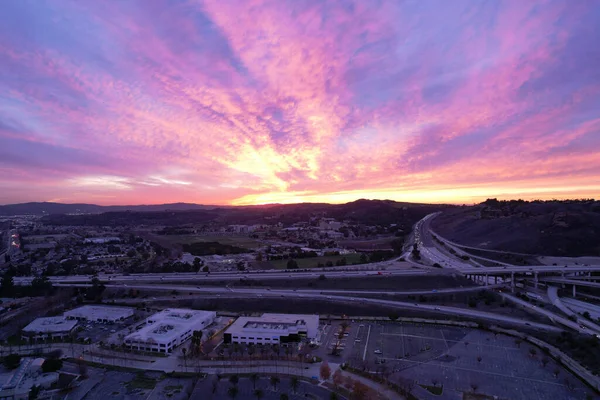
(462, 360)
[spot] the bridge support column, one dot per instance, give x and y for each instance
(496, 280)
(574, 292)
(486, 280)
(512, 282)
(535, 280)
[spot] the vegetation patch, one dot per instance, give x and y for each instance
(212, 248)
(142, 381)
(436, 390)
(314, 262)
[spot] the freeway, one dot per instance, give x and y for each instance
(582, 306)
(553, 296)
(290, 294)
(553, 317)
(530, 269)
(274, 292)
(271, 275)
(572, 282)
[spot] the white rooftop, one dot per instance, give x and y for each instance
(171, 323)
(100, 312)
(50, 324)
(276, 323)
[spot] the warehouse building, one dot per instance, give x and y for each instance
(49, 328)
(273, 329)
(168, 329)
(104, 314)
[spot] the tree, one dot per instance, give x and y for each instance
(7, 286)
(294, 383)
(586, 315)
(34, 392)
(292, 264)
(274, 381)
(325, 370)
(205, 269)
(283, 396)
(52, 365)
(393, 316)
(258, 393)
(254, 379)
(478, 358)
(234, 379)
(338, 378)
(12, 361)
(363, 258)
(474, 386)
(532, 352)
(232, 392)
(545, 361)
(333, 396)
(359, 390)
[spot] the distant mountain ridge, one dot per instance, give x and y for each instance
(48, 208)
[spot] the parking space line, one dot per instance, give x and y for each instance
(476, 370)
(445, 342)
(367, 343)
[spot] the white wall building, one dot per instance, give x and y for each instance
(168, 329)
(102, 240)
(105, 314)
(55, 328)
(273, 329)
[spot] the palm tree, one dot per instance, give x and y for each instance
(232, 392)
(254, 378)
(274, 381)
(258, 393)
(294, 383)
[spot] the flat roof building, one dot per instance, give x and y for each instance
(48, 328)
(105, 314)
(273, 329)
(168, 329)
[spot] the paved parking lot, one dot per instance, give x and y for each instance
(458, 358)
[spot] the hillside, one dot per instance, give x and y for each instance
(368, 212)
(48, 208)
(557, 228)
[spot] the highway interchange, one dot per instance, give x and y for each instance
(430, 253)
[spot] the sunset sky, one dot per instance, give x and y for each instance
(247, 102)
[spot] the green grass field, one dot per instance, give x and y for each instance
(314, 261)
(240, 241)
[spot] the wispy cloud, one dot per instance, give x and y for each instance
(281, 101)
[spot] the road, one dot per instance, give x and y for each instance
(575, 282)
(557, 301)
(288, 294)
(581, 307)
(553, 316)
(268, 292)
(271, 275)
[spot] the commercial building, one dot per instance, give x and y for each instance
(16, 384)
(104, 314)
(102, 240)
(168, 329)
(52, 328)
(272, 329)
